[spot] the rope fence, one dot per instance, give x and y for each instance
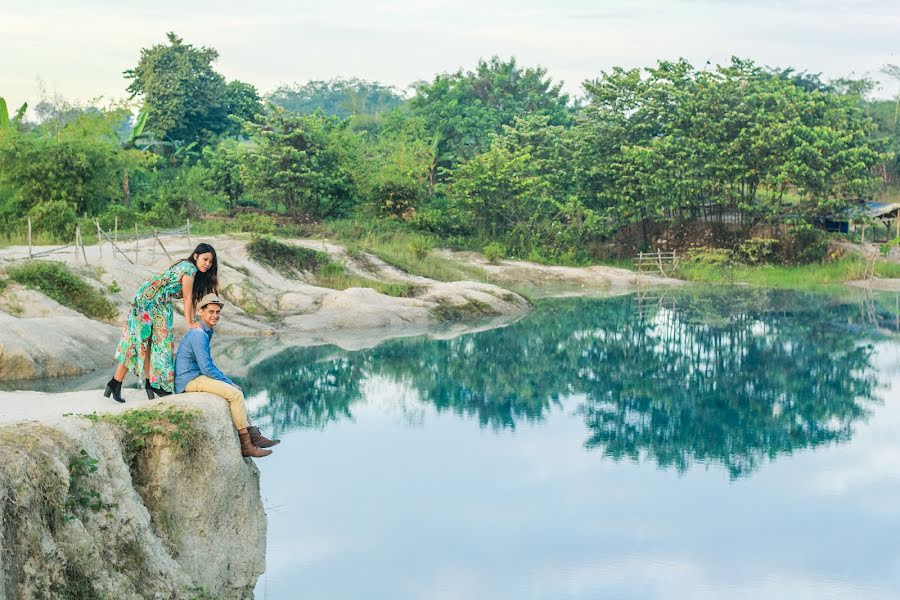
(113, 238)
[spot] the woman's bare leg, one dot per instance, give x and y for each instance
(147, 357)
(121, 370)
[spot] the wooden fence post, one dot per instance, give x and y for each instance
(99, 239)
(159, 241)
(116, 232)
(81, 243)
(77, 234)
(135, 244)
(153, 249)
(29, 237)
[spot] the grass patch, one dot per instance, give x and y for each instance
(3, 284)
(138, 425)
(285, 257)
(398, 246)
(327, 273)
(56, 281)
(794, 277)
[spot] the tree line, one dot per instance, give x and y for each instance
(496, 154)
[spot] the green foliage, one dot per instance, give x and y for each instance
(521, 192)
(184, 98)
(81, 164)
(298, 163)
(57, 282)
(679, 143)
(286, 258)
(55, 218)
(337, 97)
(804, 245)
(757, 250)
(82, 496)
(493, 252)
(420, 246)
(5, 121)
(256, 223)
(463, 110)
(221, 171)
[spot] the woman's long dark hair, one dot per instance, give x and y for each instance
(204, 283)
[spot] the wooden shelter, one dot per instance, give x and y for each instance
(885, 213)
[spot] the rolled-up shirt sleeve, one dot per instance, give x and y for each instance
(200, 346)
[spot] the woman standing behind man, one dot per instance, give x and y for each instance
(147, 340)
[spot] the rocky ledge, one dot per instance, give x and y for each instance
(151, 503)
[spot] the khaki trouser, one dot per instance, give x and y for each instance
(234, 396)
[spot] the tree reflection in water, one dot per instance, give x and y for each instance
(730, 378)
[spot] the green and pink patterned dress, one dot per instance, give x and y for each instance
(150, 322)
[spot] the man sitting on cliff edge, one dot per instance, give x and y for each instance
(195, 371)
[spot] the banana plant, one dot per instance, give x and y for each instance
(137, 133)
(5, 121)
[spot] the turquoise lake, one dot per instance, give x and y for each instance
(730, 444)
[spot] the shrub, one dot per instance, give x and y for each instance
(493, 252)
(710, 257)
(420, 246)
(757, 250)
(805, 245)
(56, 281)
(256, 223)
(397, 197)
(284, 257)
(56, 218)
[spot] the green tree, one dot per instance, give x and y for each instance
(463, 110)
(679, 143)
(299, 163)
(221, 171)
(521, 191)
(185, 99)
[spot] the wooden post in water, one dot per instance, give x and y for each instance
(29, 237)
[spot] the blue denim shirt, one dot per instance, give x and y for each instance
(193, 358)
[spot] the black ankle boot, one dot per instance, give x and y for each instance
(114, 387)
(154, 390)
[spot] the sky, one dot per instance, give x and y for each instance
(79, 49)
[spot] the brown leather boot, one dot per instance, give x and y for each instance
(259, 440)
(248, 449)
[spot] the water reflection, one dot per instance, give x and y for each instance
(727, 378)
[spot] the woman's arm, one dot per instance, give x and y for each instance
(187, 291)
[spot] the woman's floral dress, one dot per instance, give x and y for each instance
(150, 322)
